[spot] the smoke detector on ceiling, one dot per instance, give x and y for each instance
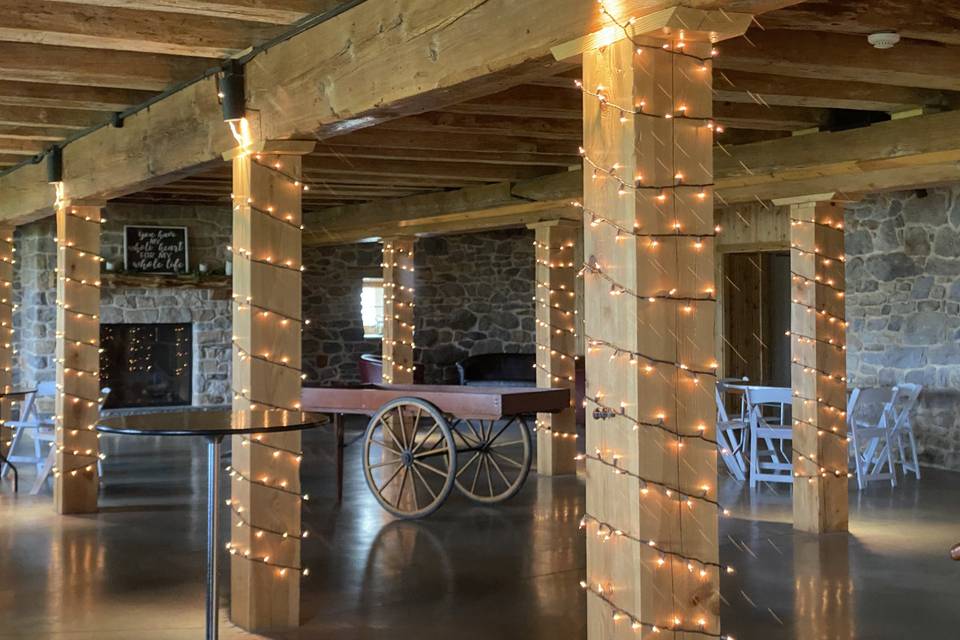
(884, 39)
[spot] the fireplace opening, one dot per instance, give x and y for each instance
(147, 365)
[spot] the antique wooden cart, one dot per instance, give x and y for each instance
(422, 440)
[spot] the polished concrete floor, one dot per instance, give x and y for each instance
(135, 570)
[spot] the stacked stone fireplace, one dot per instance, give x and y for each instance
(203, 311)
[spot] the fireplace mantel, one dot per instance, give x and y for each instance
(223, 284)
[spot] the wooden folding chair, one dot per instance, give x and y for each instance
(905, 398)
(51, 460)
(731, 437)
(869, 419)
(29, 419)
(769, 427)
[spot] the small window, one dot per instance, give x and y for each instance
(371, 307)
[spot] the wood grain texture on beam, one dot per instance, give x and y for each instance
(933, 20)
(121, 29)
(831, 56)
(539, 102)
(364, 66)
(20, 132)
(764, 88)
(425, 140)
(44, 118)
(891, 155)
(508, 41)
(267, 11)
(29, 62)
(34, 94)
(21, 147)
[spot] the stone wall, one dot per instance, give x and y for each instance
(208, 310)
(333, 341)
(903, 304)
(473, 295)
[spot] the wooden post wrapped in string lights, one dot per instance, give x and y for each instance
(78, 355)
(7, 260)
(555, 246)
(266, 497)
(652, 511)
(398, 304)
(819, 354)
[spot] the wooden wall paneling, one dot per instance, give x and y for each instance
(398, 322)
(7, 260)
(745, 322)
(557, 333)
(78, 357)
(818, 347)
(650, 450)
(267, 325)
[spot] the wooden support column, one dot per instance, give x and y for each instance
(398, 323)
(267, 324)
(652, 512)
(819, 370)
(7, 259)
(555, 247)
(78, 356)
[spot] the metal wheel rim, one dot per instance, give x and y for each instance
(417, 461)
(496, 472)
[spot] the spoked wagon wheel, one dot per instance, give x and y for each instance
(409, 457)
(493, 458)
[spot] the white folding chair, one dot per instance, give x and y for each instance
(772, 463)
(30, 419)
(731, 437)
(51, 458)
(870, 418)
(905, 397)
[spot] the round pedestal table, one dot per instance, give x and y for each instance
(213, 425)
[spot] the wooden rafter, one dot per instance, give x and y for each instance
(124, 29)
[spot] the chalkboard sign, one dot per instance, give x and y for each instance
(155, 249)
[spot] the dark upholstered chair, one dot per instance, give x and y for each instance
(371, 370)
(498, 370)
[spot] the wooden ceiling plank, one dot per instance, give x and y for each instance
(831, 56)
(27, 62)
(266, 11)
(45, 118)
(122, 29)
(480, 157)
(45, 134)
(759, 88)
(21, 147)
(305, 87)
(319, 165)
(35, 94)
(932, 20)
(381, 137)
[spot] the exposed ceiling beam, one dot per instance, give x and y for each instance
(832, 56)
(35, 94)
(465, 171)
(74, 65)
(934, 20)
(268, 11)
(119, 29)
(62, 118)
(436, 155)
(376, 62)
(890, 155)
(47, 134)
(760, 88)
(21, 147)
(382, 137)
